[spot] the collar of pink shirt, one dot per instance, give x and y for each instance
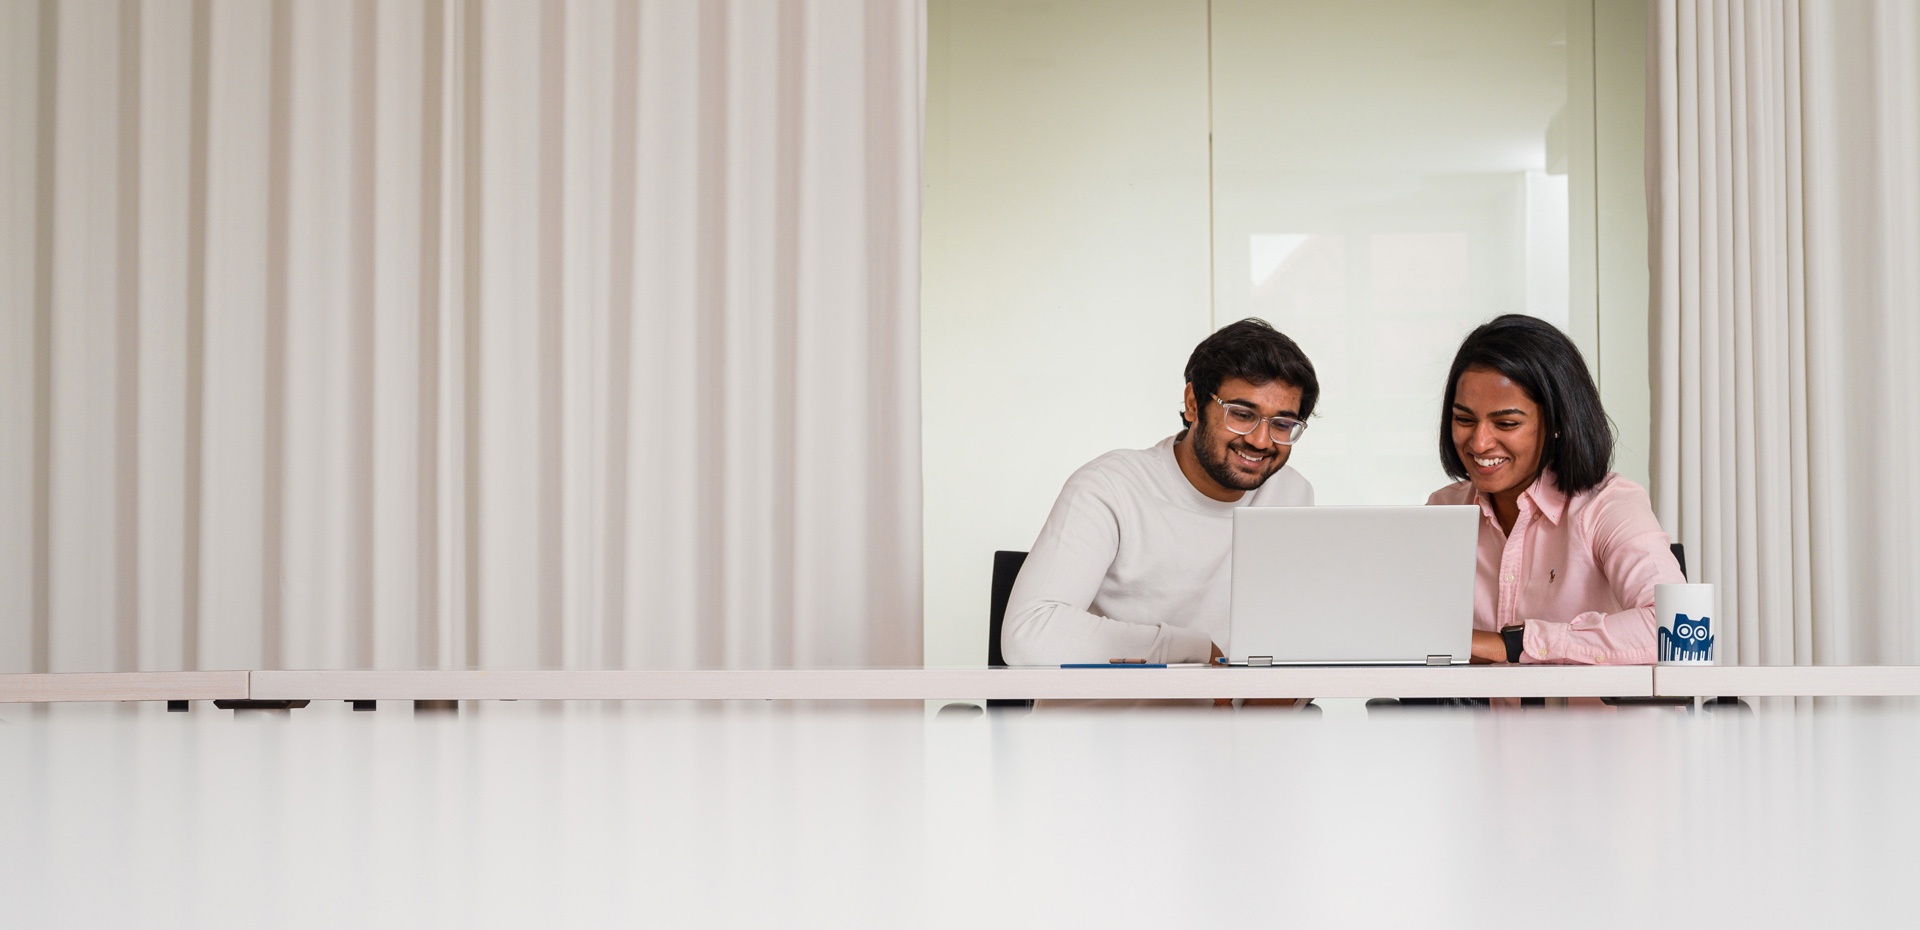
(1543, 497)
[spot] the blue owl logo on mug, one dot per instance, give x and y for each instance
(1689, 639)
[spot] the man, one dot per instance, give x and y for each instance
(1134, 562)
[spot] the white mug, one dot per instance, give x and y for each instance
(1688, 617)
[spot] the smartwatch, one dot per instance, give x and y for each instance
(1516, 637)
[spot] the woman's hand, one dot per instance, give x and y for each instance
(1489, 648)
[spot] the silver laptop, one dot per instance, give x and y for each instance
(1352, 585)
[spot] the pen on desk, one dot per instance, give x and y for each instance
(1115, 663)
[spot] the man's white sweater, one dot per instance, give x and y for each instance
(1133, 563)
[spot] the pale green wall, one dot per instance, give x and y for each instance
(1064, 263)
(1620, 83)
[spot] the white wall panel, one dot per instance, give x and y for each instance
(1065, 261)
(1620, 159)
(1388, 174)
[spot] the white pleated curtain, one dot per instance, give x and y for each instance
(420, 333)
(1784, 161)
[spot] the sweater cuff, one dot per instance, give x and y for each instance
(1184, 645)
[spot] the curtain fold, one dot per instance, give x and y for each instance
(417, 333)
(1785, 222)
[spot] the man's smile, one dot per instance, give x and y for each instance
(1252, 459)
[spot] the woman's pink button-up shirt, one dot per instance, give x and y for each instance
(1579, 571)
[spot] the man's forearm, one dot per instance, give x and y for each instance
(1053, 633)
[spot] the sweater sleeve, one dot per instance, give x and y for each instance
(1631, 550)
(1047, 621)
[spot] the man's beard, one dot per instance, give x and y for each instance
(1217, 467)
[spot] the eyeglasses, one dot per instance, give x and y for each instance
(1243, 420)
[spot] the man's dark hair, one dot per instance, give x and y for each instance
(1253, 351)
(1576, 438)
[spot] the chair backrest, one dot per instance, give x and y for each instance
(1006, 567)
(1680, 555)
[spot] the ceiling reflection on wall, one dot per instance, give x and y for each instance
(1388, 174)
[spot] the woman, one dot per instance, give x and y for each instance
(1569, 551)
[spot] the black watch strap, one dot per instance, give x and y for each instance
(1516, 637)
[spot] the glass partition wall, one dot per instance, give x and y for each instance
(1109, 180)
(1386, 175)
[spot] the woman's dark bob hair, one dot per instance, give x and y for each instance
(1576, 438)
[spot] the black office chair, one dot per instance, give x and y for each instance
(1006, 567)
(1680, 555)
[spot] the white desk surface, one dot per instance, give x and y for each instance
(591, 814)
(959, 684)
(968, 684)
(122, 686)
(1787, 680)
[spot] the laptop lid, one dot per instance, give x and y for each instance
(1352, 585)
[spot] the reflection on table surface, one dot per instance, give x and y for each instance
(758, 813)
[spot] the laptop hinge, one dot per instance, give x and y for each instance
(1439, 660)
(1259, 660)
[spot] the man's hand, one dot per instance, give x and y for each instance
(1489, 648)
(1249, 702)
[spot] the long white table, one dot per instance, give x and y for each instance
(967, 684)
(123, 686)
(1119, 683)
(1787, 680)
